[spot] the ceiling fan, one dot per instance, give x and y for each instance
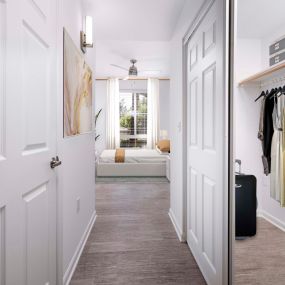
(132, 70)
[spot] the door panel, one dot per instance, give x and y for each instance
(28, 142)
(209, 38)
(2, 245)
(2, 79)
(209, 108)
(193, 204)
(193, 101)
(36, 235)
(206, 151)
(208, 206)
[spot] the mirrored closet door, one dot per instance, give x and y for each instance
(259, 143)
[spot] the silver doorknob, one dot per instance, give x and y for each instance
(55, 162)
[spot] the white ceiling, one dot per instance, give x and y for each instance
(258, 18)
(139, 29)
(135, 20)
(153, 58)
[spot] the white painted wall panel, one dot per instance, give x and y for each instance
(189, 12)
(77, 173)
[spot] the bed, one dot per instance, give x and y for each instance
(138, 162)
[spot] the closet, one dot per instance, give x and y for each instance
(259, 143)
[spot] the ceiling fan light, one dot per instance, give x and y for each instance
(133, 71)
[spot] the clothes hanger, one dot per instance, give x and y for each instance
(281, 91)
(272, 93)
(261, 95)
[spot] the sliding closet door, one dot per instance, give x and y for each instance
(207, 144)
(27, 142)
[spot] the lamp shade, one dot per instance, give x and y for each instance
(163, 134)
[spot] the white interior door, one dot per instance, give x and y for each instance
(27, 142)
(206, 143)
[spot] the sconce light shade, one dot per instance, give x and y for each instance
(87, 36)
(89, 30)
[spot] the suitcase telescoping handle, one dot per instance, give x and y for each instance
(238, 161)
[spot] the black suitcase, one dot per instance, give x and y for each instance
(246, 204)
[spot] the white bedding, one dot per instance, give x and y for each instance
(134, 156)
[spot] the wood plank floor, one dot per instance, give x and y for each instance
(133, 241)
(261, 259)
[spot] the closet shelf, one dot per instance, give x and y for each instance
(267, 74)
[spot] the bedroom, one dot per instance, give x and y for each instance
(133, 131)
(132, 95)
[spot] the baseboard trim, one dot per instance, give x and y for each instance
(74, 261)
(176, 226)
(271, 219)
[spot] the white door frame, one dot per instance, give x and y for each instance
(231, 208)
(229, 178)
(59, 134)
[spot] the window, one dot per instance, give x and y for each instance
(133, 120)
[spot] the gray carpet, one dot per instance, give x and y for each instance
(260, 260)
(133, 241)
(111, 180)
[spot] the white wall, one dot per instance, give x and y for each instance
(77, 173)
(252, 56)
(269, 40)
(189, 12)
(247, 146)
(269, 206)
(100, 103)
(130, 85)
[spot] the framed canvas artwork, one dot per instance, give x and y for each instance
(77, 90)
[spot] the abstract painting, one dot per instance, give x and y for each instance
(77, 91)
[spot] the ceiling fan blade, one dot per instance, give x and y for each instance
(150, 70)
(118, 66)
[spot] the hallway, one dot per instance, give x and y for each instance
(133, 240)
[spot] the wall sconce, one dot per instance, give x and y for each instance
(87, 37)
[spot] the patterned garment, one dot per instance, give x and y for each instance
(260, 136)
(276, 177)
(282, 194)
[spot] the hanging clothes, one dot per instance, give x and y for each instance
(260, 134)
(276, 177)
(268, 131)
(282, 194)
(271, 133)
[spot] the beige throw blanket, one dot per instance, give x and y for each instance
(120, 155)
